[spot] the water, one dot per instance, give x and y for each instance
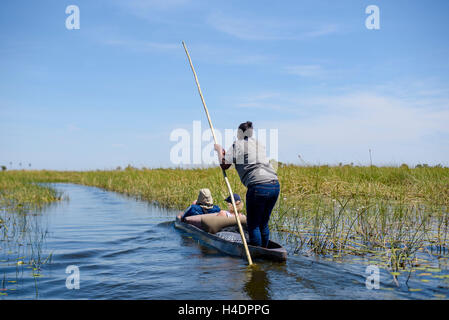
(128, 249)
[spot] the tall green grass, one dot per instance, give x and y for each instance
(19, 191)
(174, 188)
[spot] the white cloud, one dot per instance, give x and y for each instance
(265, 100)
(155, 11)
(226, 55)
(343, 127)
(251, 28)
(141, 7)
(306, 70)
(363, 117)
(72, 128)
(322, 31)
(142, 45)
(199, 51)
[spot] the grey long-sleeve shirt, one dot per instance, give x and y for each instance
(251, 162)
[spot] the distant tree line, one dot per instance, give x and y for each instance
(4, 168)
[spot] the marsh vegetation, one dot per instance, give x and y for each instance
(395, 216)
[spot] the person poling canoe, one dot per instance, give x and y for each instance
(257, 174)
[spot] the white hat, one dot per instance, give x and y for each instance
(205, 199)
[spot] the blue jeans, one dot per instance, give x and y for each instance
(260, 201)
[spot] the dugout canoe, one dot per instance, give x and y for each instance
(231, 243)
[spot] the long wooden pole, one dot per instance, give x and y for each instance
(245, 245)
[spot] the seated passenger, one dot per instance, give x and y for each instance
(230, 211)
(203, 205)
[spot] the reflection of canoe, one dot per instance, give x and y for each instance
(231, 243)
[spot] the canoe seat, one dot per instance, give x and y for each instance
(232, 236)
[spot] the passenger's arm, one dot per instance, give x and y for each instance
(186, 213)
(222, 213)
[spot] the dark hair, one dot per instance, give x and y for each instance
(245, 126)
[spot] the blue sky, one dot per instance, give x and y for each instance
(110, 93)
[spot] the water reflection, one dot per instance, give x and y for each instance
(23, 235)
(258, 285)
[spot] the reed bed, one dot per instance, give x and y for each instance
(19, 191)
(22, 233)
(389, 213)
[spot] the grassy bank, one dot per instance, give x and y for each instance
(174, 188)
(392, 212)
(19, 191)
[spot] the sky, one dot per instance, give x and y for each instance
(112, 92)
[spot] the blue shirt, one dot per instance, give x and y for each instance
(195, 209)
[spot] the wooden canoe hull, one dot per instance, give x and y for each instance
(274, 252)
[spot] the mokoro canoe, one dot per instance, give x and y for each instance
(231, 243)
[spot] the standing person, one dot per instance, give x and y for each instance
(257, 174)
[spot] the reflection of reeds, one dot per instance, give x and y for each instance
(22, 243)
(23, 236)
